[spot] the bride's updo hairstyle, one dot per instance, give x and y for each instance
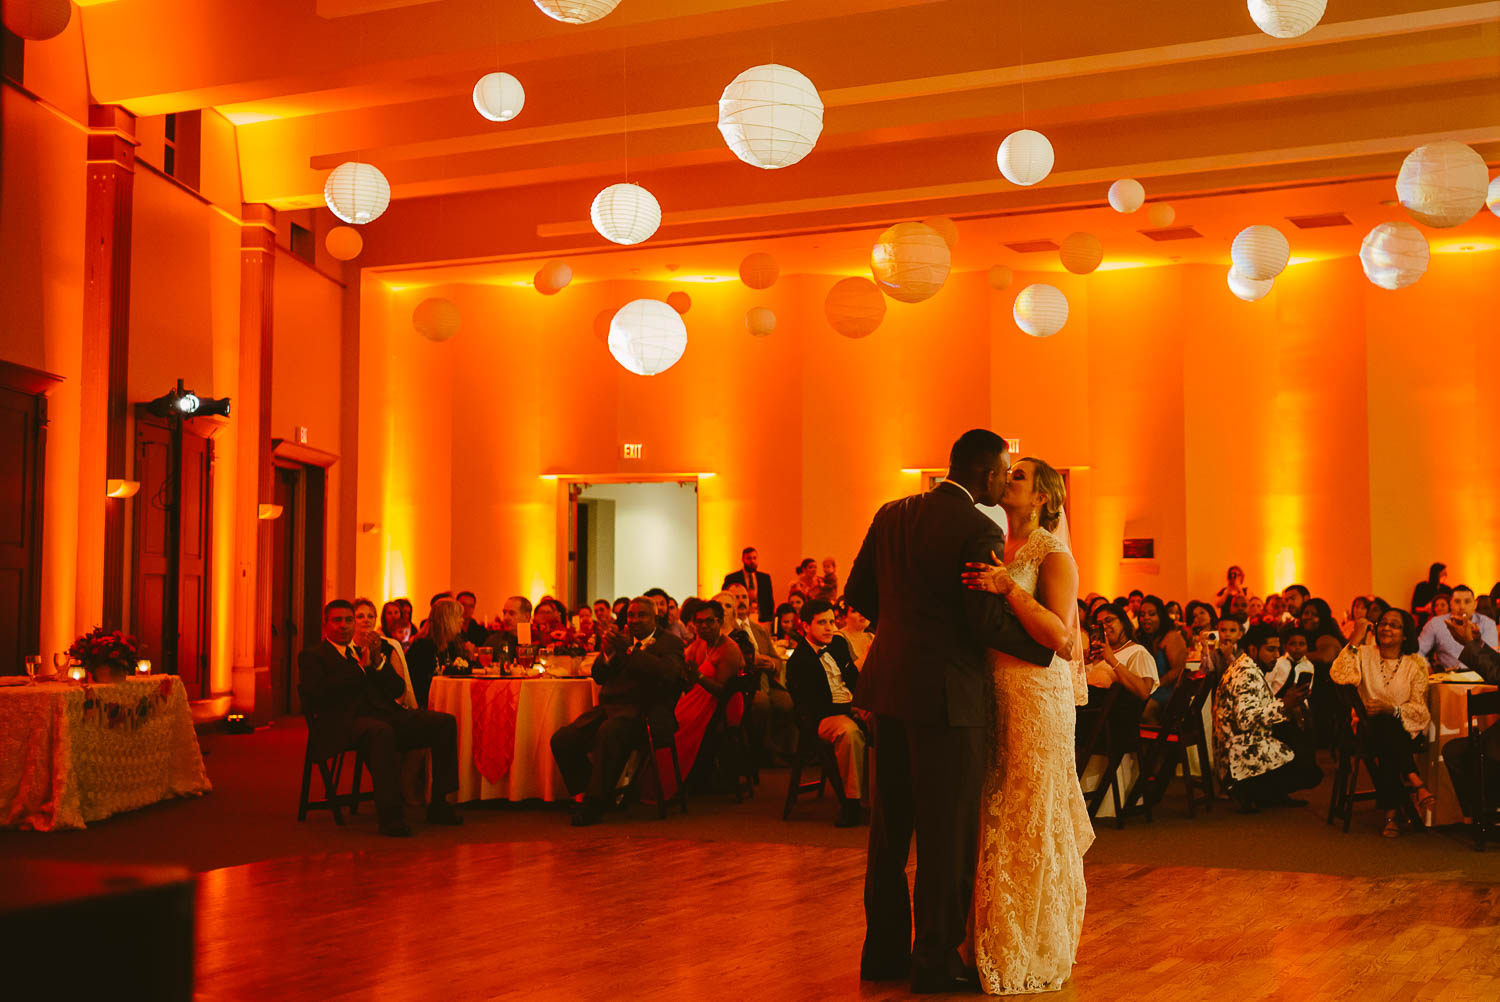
(1046, 480)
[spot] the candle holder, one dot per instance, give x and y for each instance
(77, 672)
(143, 667)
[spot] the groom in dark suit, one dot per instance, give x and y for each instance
(927, 683)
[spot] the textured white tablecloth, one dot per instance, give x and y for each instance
(1447, 702)
(61, 767)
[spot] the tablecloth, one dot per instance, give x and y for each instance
(1448, 707)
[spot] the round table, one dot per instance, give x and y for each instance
(1447, 702)
(505, 728)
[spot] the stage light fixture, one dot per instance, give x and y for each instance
(183, 403)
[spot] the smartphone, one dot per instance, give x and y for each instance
(1304, 676)
(1096, 634)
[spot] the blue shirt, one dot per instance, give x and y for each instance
(1437, 645)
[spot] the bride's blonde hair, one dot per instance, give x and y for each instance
(1046, 480)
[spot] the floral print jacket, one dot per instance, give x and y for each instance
(1244, 713)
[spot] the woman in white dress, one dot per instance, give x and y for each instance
(1029, 890)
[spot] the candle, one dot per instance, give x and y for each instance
(77, 673)
(143, 667)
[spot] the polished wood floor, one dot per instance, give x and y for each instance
(622, 917)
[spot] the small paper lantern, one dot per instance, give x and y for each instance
(760, 321)
(435, 319)
(1161, 214)
(771, 116)
(1041, 310)
(647, 336)
(37, 20)
(1126, 195)
(1248, 289)
(1442, 184)
(576, 11)
(759, 271)
(910, 262)
(1081, 253)
(1260, 252)
(680, 301)
(357, 193)
(1000, 277)
(1286, 18)
(625, 213)
(552, 277)
(854, 307)
(1394, 255)
(344, 243)
(945, 227)
(601, 325)
(1025, 157)
(1493, 198)
(499, 97)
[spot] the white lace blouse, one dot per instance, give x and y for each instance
(1398, 686)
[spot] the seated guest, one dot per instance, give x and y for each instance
(395, 625)
(515, 612)
(1132, 604)
(1442, 605)
(474, 631)
(1316, 617)
(1259, 753)
(434, 600)
(1274, 611)
(1255, 608)
(1392, 681)
(406, 624)
(640, 676)
(1359, 608)
(1115, 658)
(1200, 616)
(856, 633)
(548, 620)
(1174, 612)
(678, 622)
(438, 649)
(1165, 644)
(367, 636)
(620, 610)
(828, 583)
(757, 584)
(351, 693)
(603, 615)
(1436, 642)
(822, 677)
(772, 716)
(1292, 597)
(588, 629)
(1461, 755)
(659, 598)
(788, 628)
(1293, 661)
(805, 580)
(797, 600)
(712, 659)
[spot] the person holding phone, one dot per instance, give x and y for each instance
(1293, 667)
(1260, 753)
(1115, 658)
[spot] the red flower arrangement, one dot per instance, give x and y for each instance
(98, 647)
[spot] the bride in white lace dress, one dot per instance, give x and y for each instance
(1029, 890)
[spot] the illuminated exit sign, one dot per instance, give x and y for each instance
(630, 450)
(1013, 446)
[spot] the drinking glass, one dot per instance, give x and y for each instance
(486, 657)
(33, 665)
(60, 664)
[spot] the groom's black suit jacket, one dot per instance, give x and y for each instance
(927, 664)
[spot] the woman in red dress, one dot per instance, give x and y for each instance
(712, 660)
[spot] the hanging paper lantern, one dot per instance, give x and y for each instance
(499, 97)
(1286, 18)
(945, 227)
(344, 243)
(357, 193)
(435, 319)
(1493, 198)
(1442, 184)
(1126, 195)
(647, 336)
(759, 271)
(37, 20)
(625, 213)
(1394, 255)
(910, 262)
(1000, 277)
(854, 307)
(1161, 214)
(577, 11)
(1041, 310)
(680, 301)
(771, 116)
(552, 277)
(760, 321)
(1081, 253)
(1249, 289)
(601, 325)
(1025, 157)
(1260, 252)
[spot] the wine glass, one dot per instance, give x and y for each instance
(33, 665)
(60, 664)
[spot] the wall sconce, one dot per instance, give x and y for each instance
(269, 511)
(121, 488)
(369, 527)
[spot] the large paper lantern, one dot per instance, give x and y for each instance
(1025, 157)
(1260, 252)
(1160, 214)
(1249, 289)
(771, 116)
(435, 319)
(1442, 184)
(552, 277)
(1081, 253)
(910, 262)
(1126, 195)
(945, 227)
(499, 97)
(1000, 277)
(577, 11)
(680, 301)
(1286, 18)
(625, 213)
(759, 271)
(760, 321)
(647, 336)
(1493, 198)
(1041, 310)
(1394, 255)
(854, 307)
(344, 243)
(37, 20)
(357, 193)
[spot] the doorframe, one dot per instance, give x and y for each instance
(37, 384)
(309, 563)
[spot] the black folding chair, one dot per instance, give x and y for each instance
(1109, 729)
(1351, 754)
(1486, 815)
(736, 747)
(1164, 745)
(814, 752)
(331, 770)
(649, 764)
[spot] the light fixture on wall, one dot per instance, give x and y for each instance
(269, 512)
(770, 116)
(369, 527)
(185, 404)
(121, 488)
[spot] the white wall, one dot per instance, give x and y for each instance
(656, 536)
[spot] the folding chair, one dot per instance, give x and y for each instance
(1164, 748)
(1351, 754)
(331, 770)
(1110, 730)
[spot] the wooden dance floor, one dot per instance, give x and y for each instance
(617, 917)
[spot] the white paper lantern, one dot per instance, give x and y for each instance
(625, 213)
(37, 20)
(647, 336)
(499, 97)
(771, 116)
(552, 277)
(854, 307)
(577, 11)
(1025, 157)
(1249, 289)
(435, 319)
(1260, 252)
(1286, 18)
(1041, 310)
(357, 193)
(1161, 214)
(1081, 253)
(1493, 198)
(1442, 184)
(945, 228)
(1126, 195)
(759, 271)
(344, 243)
(910, 262)
(1000, 277)
(760, 321)
(1394, 255)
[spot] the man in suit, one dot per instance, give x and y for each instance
(927, 683)
(772, 717)
(822, 678)
(756, 582)
(640, 674)
(1461, 755)
(350, 694)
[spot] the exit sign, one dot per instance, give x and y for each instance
(1013, 446)
(630, 450)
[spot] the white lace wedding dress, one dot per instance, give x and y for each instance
(1029, 891)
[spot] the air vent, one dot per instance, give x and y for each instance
(1032, 246)
(1319, 221)
(1173, 233)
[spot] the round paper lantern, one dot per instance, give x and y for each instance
(37, 20)
(499, 97)
(577, 11)
(1161, 214)
(1025, 157)
(945, 227)
(680, 301)
(1394, 255)
(1260, 252)
(910, 262)
(759, 271)
(1000, 277)
(647, 336)
(854, 307)
(1286, 18)
(1248, 289)
(1081, 253)
(760, 321)
(771, 116)
(344, 242)
(435, 319)
(357, 193)
(625, 213)
(1041, 310)
(601, 325)
(1126, 195)
(1493, 198)
(552, 277)
(1442, 184)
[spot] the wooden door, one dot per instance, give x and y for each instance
(23, 419)
(194, 541)
(284, 641)
(154, 470)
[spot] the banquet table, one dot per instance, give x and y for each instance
(72, 753)
(1447, 705)
(505, 728)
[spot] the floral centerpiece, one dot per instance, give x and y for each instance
(108, 655)
(567, 641)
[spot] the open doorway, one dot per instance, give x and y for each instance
(634, 536)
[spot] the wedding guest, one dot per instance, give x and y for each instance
(1292, 597)
(773, 719)
(1200, 616)
(548, 618)
(439, 648)
(1323, 701)
(1425, 591)
(513, 614)
(659, 598)
(1461, 755)
(1133, 604)
(856, 633)
(1174, 612)
(406, 623)
(1316, 617)
(712, 659)
(1442, 604)
(1436, 642)
(1238, 606)
(1359, 608)
(788, 626)
(806, 579)
(619, 610)
(755, 582)
(797, 600)
(588, 628)
(395, 624)
(678, 621)
(1378, 607)
(828, 589)
(368, 636)
(1293, 661)
(822, 677)
(474, 631)
(1115, 658)
(1235, 584)
(1275, 610)
(1256, 749)
(434, 600)
(1155, 633)
(603, 614)
(1255, 608)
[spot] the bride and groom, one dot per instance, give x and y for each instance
(974, 709)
